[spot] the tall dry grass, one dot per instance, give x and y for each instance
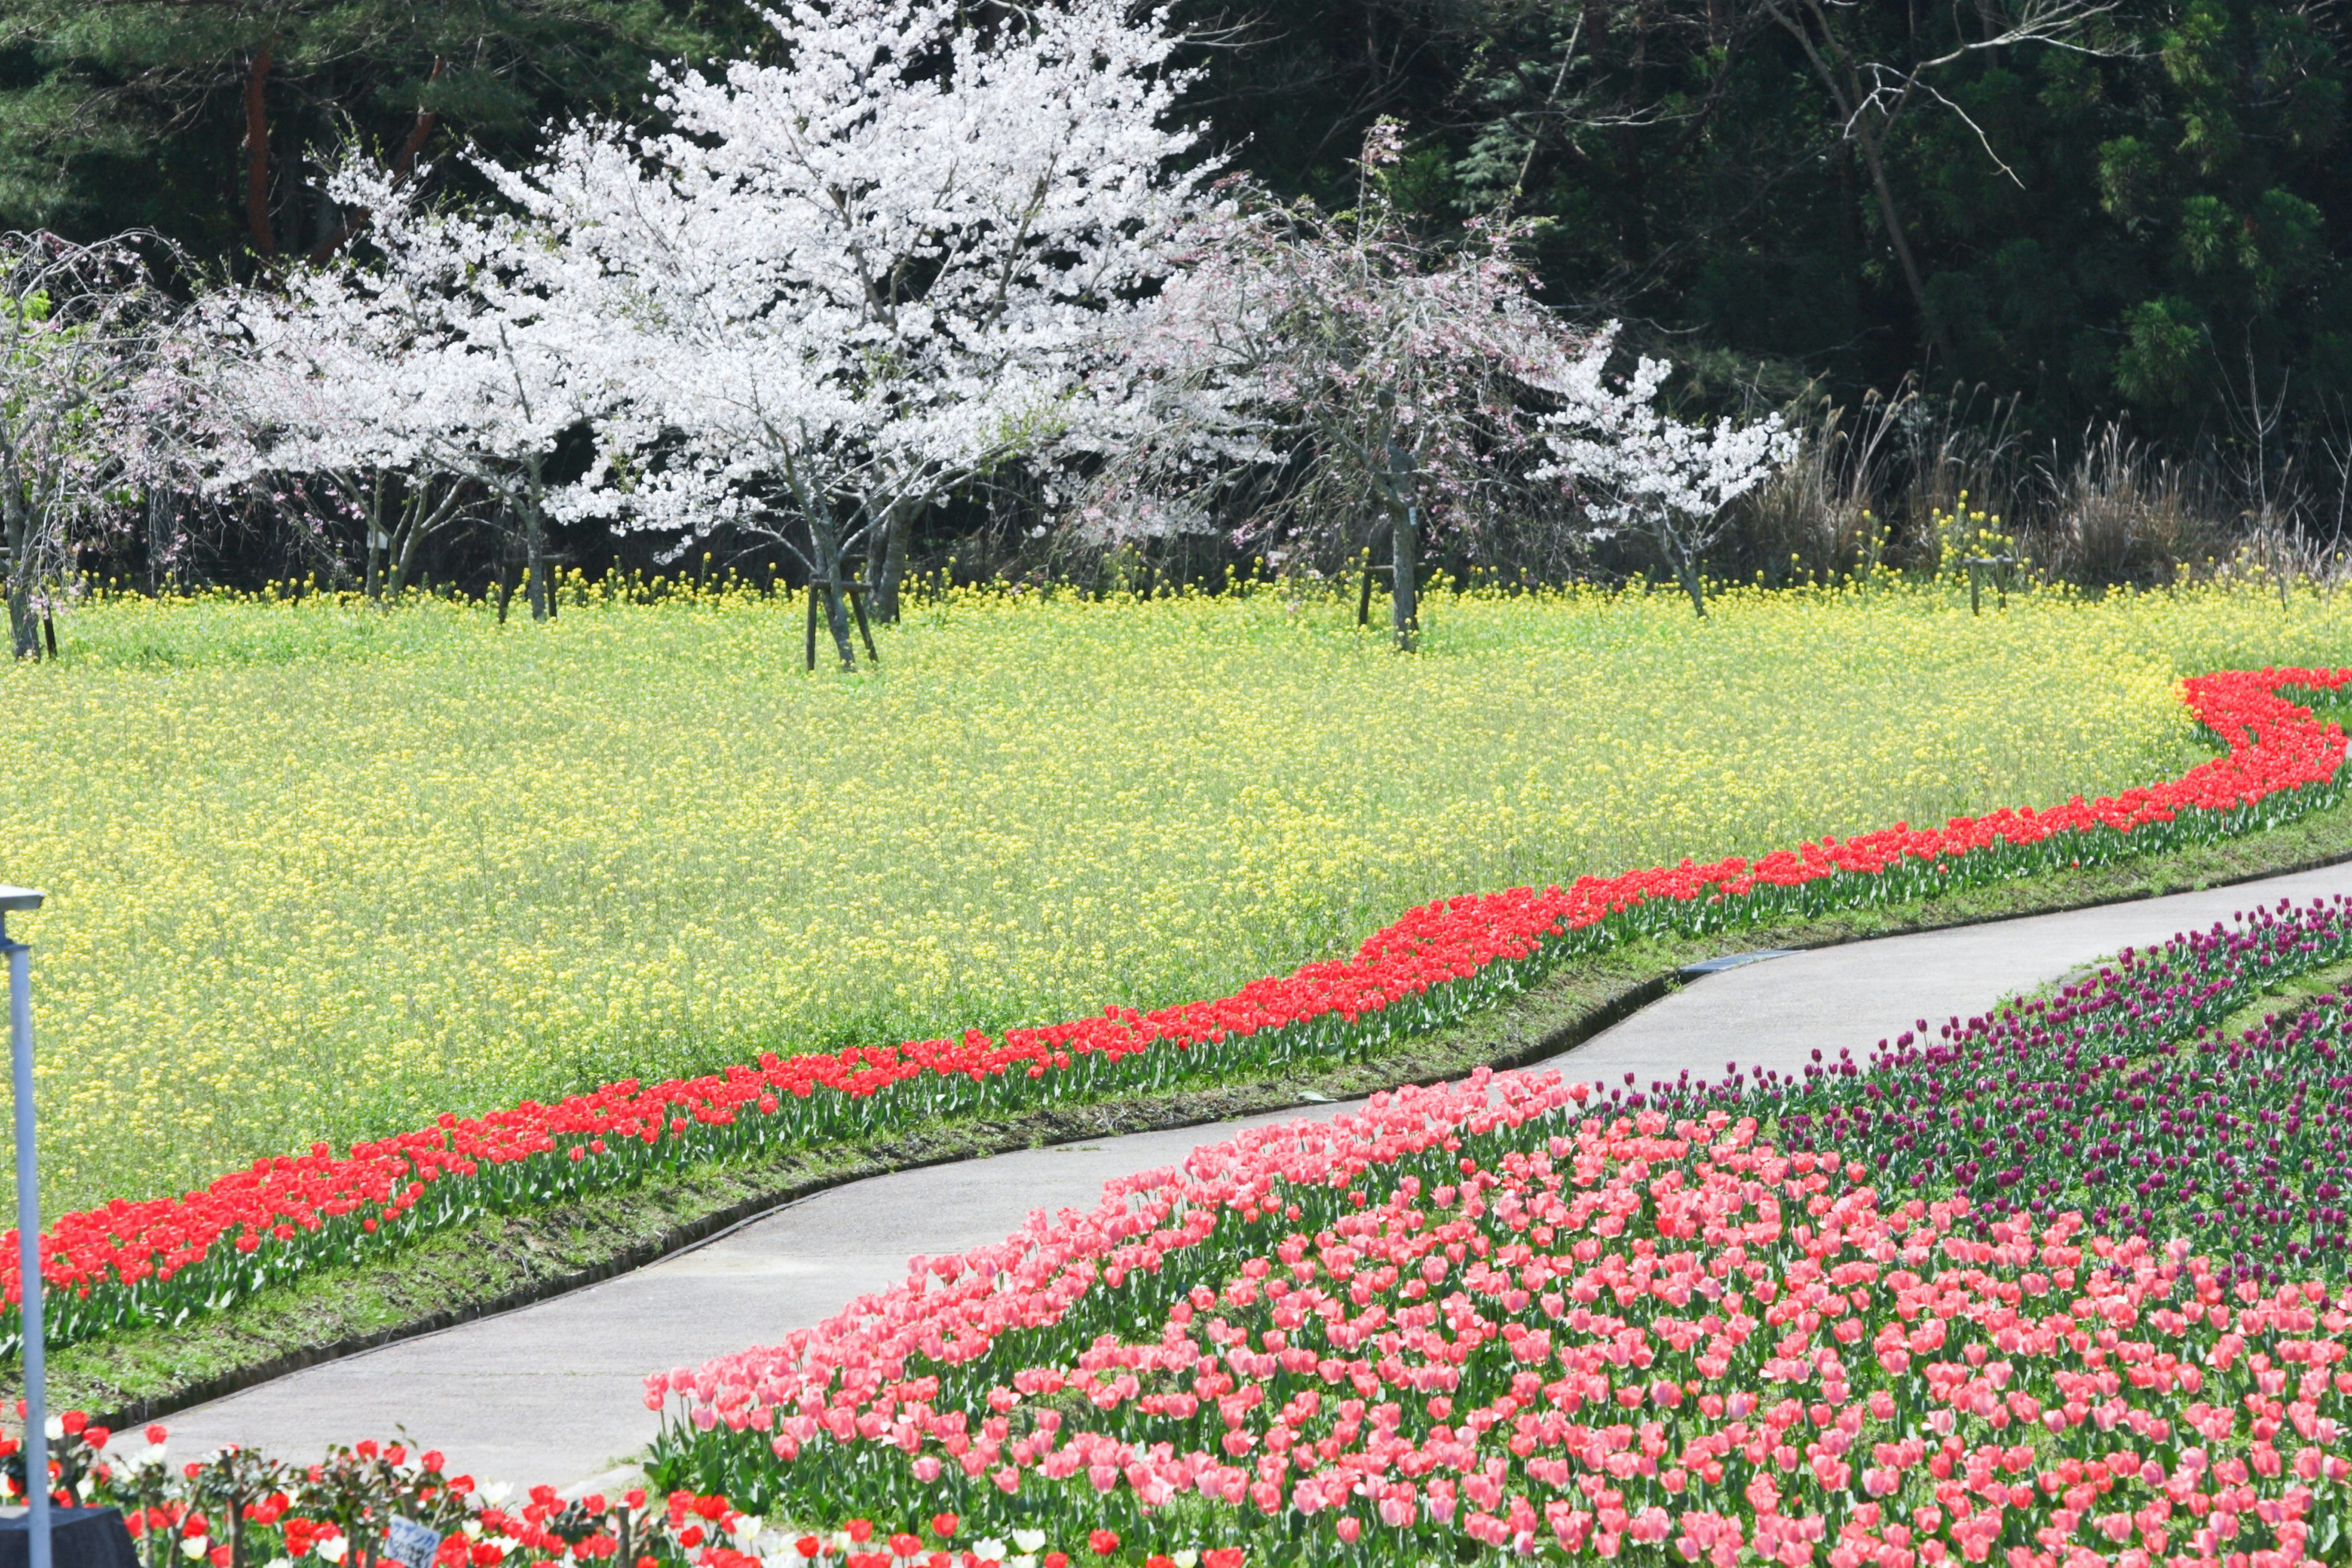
(1913, 483)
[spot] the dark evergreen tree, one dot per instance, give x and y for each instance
(2135, 212)
(213, 120)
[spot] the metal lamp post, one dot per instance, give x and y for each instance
(28, 1226)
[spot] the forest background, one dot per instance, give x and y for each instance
(2104, 261)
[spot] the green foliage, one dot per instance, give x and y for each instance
(2162, 339)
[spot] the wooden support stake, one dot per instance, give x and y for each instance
(857, 608)
(1364, 600)
(1978, 565)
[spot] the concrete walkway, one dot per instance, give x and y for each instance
(553, 1392)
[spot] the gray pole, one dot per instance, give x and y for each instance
(29, 1226)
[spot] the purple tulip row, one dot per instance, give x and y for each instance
(2117, 1096)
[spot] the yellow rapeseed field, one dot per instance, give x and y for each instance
(322, 871)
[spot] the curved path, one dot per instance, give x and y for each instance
(553, 1392)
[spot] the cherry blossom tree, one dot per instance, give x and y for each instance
(430, 353)
(1346, 364)
(312, 386)
(926, 245)
(845, 284)
(1341, 363)
(1646, 472)
(80, 328)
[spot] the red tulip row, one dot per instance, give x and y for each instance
(163, 1259)
(1475, 1318)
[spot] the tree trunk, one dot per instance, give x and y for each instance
(422, 514)
(256, 155)
(1405, 550)
(1686, 573)
(23, 629)
(1850, 237)
(1929, 327)
(825, 535)
(162, 523)
(534, 557)
(326, 219)
(412, 535)
(1404, 592)
(372, 576)
(405, 164)
(901, 522)
(534, 541)
(878, 550)
(1834, 69)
